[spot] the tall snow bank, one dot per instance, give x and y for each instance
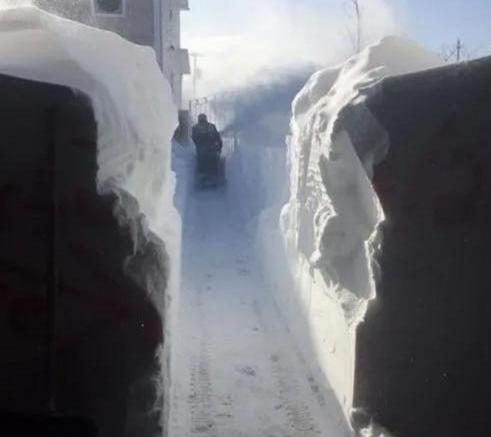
(132, 102)
(333, 212)
(330, 223)
(135, 116)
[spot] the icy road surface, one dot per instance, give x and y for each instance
(236, 372)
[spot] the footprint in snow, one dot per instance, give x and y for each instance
(203, 428)
(247, 370)
(244, 272)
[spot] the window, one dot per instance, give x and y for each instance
(109, 7)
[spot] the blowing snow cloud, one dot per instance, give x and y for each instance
(264, 36)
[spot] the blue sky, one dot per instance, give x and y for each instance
(434, 22)
(431, 22)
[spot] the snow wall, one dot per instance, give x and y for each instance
(318, 249)
(330, 224)
(385, 228)
(422, 352)
(135, 118)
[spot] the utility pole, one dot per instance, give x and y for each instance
(459, 49)
(456, 52)
(356, 6)
(354, 11)
(195, 57)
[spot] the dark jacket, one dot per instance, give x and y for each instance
(207, 138)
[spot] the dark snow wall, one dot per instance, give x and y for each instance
(72, 321)
(424, 352)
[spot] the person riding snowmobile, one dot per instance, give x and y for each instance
(208, 146)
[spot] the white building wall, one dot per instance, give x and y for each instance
(175, 59)
(154, 23)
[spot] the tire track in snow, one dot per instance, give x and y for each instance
(300, 418)
(200, 385)
(240, 374)
(200, 395)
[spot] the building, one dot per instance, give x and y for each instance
(154, 23)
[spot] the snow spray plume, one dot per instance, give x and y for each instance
(274, 35)
(261, 112)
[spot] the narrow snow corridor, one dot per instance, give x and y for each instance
(236, 371)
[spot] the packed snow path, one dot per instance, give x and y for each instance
(236, 371)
